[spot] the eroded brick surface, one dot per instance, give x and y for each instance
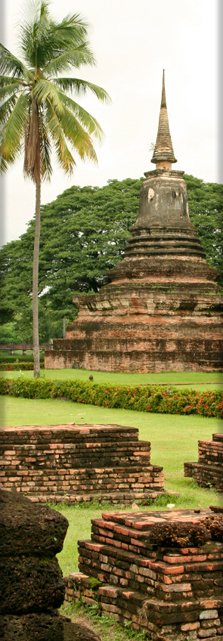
(75, 463)
(208, 471)
(172, 588)
(162, 309)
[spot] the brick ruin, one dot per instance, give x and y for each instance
(162, 308)
(158, 571)
(208, 471)
(74, 463)
(32, 586)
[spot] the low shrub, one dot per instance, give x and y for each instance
(18, 365)
(143, 398)
(18, 358)
(9, 367)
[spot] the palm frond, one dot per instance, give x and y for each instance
(81, 86)
(72, 28)
(44, 90)
(6, 109)
(3, 164)
(13, 131)
(34, 108)
(64, 156)
(10, 64)
(33, 36)
(78, 136)
(5, 80)
(9, 89)
(70, 32)
(89, 122)
(70, 58)
(45, 39)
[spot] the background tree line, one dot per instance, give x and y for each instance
(84, 233)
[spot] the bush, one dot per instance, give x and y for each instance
(9, 367)
(144, 398)
(18, 357)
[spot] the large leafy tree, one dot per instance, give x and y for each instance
(37, 111)
(84, 232)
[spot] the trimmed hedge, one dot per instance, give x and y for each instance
(143, 398)
(18, 358)
(9, 367)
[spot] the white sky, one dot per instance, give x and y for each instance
(132, 42)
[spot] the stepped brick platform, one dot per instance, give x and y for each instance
(162, 307)
(74, 463)
(159, 570)
(208, 472)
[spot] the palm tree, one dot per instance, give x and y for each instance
(38, 113)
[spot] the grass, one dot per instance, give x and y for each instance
(174, 440)
(197, 380)
(103, 625)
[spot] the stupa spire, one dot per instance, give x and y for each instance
(163, 155)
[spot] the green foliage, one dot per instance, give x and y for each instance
(173, 437)
(84, 232)
(102, 624)
(18, 361)
(206, 209)
(20, 365)
(142, 398)
(18, 356)
(37, 113)
(196, 380)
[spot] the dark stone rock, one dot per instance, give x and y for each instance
(28, 528)
(31, 627)
(30, 584)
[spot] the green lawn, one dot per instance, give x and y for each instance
(174, 440)
(197, 380)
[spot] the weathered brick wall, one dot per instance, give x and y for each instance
(161, 571)
(76, 463)
(145, 327)
(208, 471)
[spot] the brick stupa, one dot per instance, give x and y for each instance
(161, 309)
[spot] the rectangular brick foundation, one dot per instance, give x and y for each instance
(208, 472)
(74, 463)
(161, 571)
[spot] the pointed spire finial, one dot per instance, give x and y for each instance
(163, 150)
(163, 98)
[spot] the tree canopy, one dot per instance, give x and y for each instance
(38, 114)
(84, 232)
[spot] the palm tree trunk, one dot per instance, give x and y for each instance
(35, 300)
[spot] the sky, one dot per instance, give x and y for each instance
(132, 43)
